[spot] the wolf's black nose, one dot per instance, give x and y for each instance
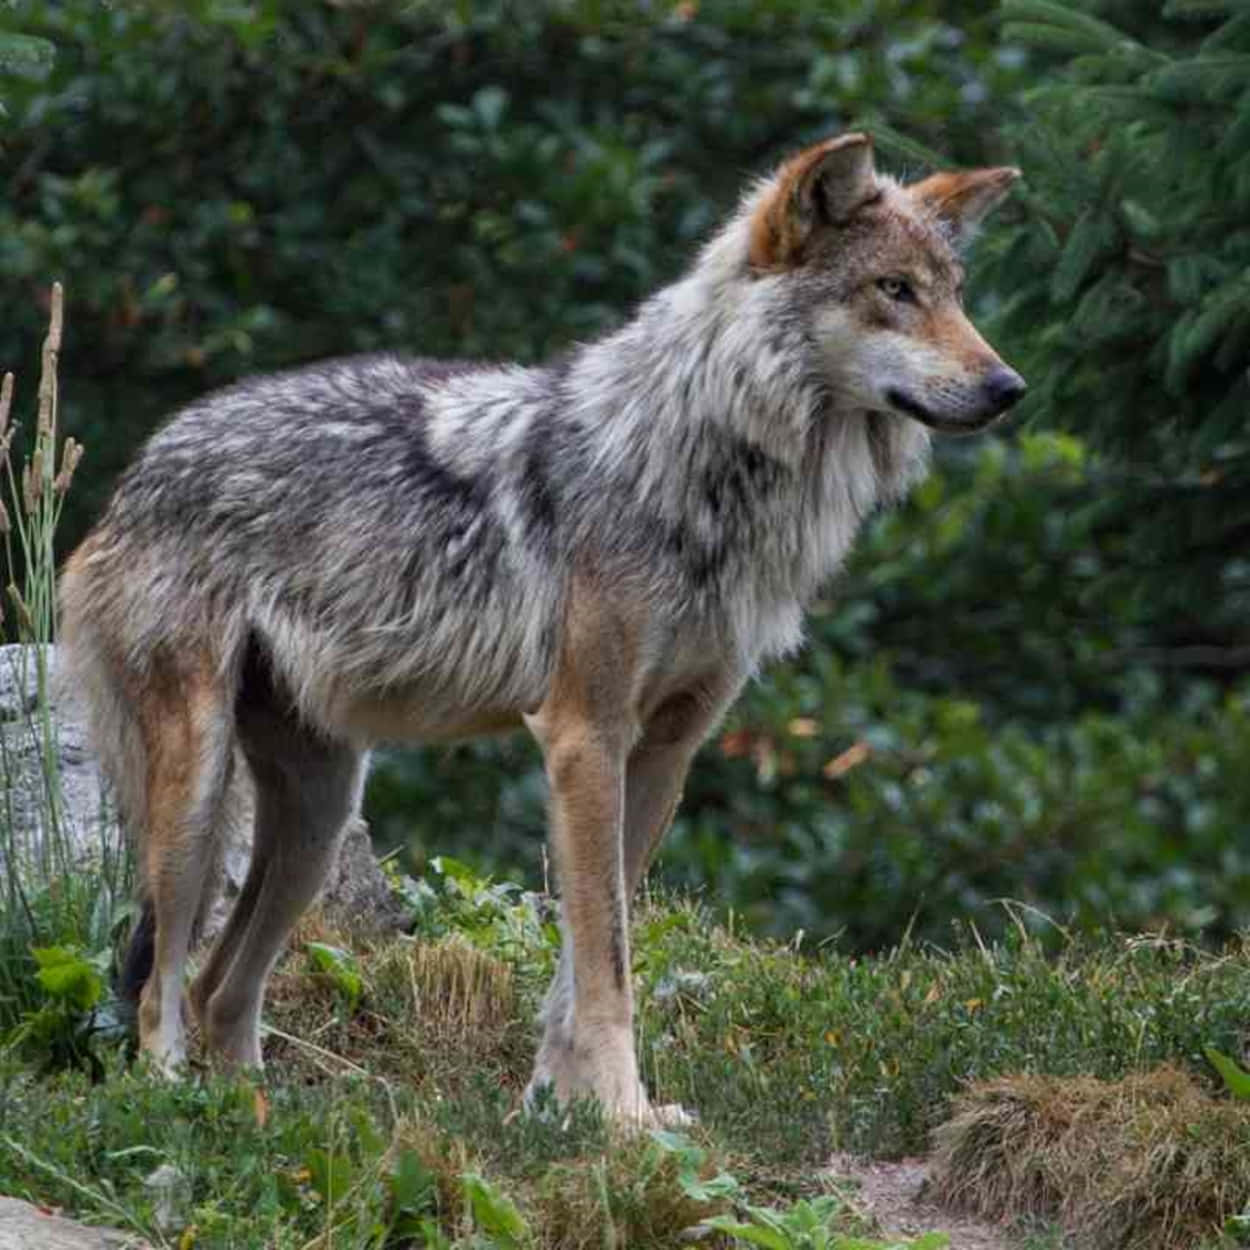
(1003, 387)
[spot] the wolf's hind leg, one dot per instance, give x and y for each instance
(307, 789)
(240, 810)
(188, 743)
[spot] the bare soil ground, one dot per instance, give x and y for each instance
(894, 1195)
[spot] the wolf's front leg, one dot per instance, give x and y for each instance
(588, 1040)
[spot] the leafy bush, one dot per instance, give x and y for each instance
(231, 188)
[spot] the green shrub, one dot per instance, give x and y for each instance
(1125, 294)
(232, 188)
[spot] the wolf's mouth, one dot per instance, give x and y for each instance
(943, 425)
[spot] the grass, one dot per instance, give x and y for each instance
(1150, 1162)
(46, 901)
(392, 1094)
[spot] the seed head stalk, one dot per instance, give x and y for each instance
(36, 499)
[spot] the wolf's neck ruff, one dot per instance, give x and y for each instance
(711, 411)
(700, 449)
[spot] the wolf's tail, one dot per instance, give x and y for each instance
(93, 671)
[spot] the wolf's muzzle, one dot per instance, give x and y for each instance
(1003, 387)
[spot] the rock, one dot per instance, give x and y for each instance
(357, 891)
(683, 984)
(31, 753)
(171, 1196)
(23, 1227)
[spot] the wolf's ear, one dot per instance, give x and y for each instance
(960, 201)
(822, 186)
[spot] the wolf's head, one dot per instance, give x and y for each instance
(873, 269)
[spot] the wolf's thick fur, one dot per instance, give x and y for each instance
(606, 548)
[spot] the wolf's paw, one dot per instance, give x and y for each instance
(672, 1115)
(162, 1037)
(602, 1067)
(164, 1056)
(545, 1100)
(231, 1036)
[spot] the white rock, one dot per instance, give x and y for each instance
(23, 1227)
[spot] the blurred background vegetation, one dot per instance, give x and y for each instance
(1033, 681)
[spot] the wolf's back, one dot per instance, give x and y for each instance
(371, 524)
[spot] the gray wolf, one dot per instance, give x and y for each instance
(603, 549)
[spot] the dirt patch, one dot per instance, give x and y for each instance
(894, 1195)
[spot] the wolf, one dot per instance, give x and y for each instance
(603, 549)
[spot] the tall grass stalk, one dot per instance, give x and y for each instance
(50, 894)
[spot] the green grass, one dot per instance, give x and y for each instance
(786, 1055)
(46, 899)
(387, 1087)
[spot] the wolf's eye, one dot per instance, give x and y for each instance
(898, 289)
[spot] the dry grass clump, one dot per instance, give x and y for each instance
(454, 1003)
(630, 1195)
(461, 992)
(436, 1009)
(1152, 1162)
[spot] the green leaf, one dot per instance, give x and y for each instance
(675, 1143)
(339, 967)
(722, 1185)
(753, 1234)
(1086, 31)
(1235, 1079)
(65, 974)
(456, 870)
(331, 1175)
(411, 1184)
(27, 56)
(1093, 235)
(1204, 8)
(494, 1212)
(490, 104)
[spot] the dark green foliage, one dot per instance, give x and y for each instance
(1129, 284)
(230, 188)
